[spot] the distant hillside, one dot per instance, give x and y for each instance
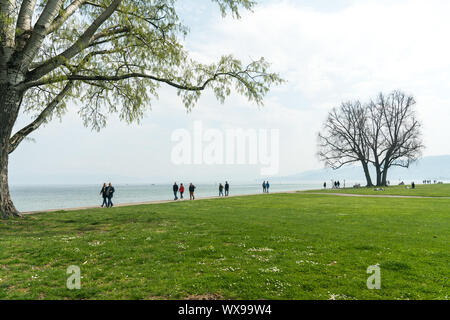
(428, 168)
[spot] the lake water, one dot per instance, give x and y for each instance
(47, 197)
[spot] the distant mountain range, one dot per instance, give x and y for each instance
(428, 168)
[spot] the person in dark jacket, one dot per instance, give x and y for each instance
(175, 191)
(104, 195)
(110, 193)
(227, 189)
(220, 190)
(191, 191)
(264, 187)
(267, 186)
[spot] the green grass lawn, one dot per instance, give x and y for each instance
(437, 190)
(285, 246)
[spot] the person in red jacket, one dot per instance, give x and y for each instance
(181, 191)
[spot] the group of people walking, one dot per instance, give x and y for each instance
(181, 190)
(107, 192)
(266, 186)
(334, 184)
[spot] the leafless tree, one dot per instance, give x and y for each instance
(398, 141)
(383, 133)
(342, 141)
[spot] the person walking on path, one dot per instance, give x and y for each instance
(264, 187)
(181, 191)
(110, 193)
(104, 195)
(175, 191)
(227, 189)
(220, 190)
(267, 186)
(191, 191)
(324, 185)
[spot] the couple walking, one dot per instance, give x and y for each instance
(266, 186)
(227, 189)
(107, 193)
(181, 189)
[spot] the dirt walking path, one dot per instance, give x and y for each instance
(374, 195)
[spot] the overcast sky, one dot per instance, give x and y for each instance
(329, 51)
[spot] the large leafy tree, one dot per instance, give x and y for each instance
(109, 56)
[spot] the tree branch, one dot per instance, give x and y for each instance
(77, 47)
(129, 76)
(25, 17)
(65, 14)
(23, 133)
(25, 57)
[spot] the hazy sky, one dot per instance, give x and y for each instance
(329, 51)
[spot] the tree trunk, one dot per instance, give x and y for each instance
(384, 180)
(379, 175)
(9, 109)
(367, 173)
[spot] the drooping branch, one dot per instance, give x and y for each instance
(18, 137)
(180, 86)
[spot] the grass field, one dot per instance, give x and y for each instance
(285, 246)
(436, 190)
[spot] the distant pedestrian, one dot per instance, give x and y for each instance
(324, 185)
(175, 191)
(220, 190)
(413, 185)
(264, 187)
(267, 186)
(227, 189)
(181, 191)
(110, 193)
(191, 191)
(104, 195)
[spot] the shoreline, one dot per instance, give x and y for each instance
(310, 192)
(131, 204)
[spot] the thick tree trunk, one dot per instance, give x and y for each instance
(9, 108)
(367, 174)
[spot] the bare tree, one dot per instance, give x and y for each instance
(383, 133)
(400, 139)
(342, 141)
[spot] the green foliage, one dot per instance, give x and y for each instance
(286, 246)
(142, 38)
